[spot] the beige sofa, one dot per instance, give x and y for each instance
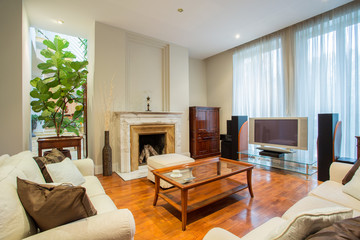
(109, 223)
(326, 195)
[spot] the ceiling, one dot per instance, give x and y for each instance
(205, 27)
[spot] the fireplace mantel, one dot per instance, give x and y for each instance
(148, 113)
(128, 119)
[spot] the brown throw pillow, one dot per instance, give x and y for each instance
(54, 156)
(345, 229)
(351, 173)
(51, 206)
(43, 169)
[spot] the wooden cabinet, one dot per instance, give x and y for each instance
(204, 132)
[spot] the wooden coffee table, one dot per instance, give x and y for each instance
(201, 183)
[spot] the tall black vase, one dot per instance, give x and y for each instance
(107, 156)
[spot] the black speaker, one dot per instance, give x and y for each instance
(236, 123)
(228, 127)
(326, 127)
(226, 149)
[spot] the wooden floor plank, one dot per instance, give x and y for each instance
(275, 191)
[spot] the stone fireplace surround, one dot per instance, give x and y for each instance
(128, 119)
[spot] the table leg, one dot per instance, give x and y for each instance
(249, 174)
(39, 151)
(157, 188)
(79, 151)
(184, 198)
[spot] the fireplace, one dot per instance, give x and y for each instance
(164, 133)
(151, 145)
(133, 125)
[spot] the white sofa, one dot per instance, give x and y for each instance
(109, 223)
(327, 194)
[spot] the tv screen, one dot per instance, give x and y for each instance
(276, 131)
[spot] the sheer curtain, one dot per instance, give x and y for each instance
(310, 68)
(327, 76)
(258, 84)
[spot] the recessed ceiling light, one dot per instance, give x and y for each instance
(180, 10)
(237, 36)
(59, 21)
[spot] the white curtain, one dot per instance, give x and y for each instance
(258, 84)
(309, 68)
(327, 78)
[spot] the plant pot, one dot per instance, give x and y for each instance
(107, 156)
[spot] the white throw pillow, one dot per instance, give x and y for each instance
(352, 188)
(309, 222)
(65, 172)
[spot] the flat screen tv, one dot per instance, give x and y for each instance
(279, 134)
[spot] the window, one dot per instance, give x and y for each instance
(323, 76)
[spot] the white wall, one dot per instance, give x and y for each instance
(198, 84)
(179, 89)
(13, 138)
(120, 79)
(219, 73)
(26, 77)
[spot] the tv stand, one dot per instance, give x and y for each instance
(293, 161)
(272, 154)
(275, 150)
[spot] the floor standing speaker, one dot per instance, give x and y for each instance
(236, 123)
(326, 128)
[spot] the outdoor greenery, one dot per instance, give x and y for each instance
(61, 85)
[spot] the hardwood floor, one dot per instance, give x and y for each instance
(275, 191)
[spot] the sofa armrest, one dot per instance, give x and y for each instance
(85, 166)
(219, 233)
(117, 224)
(338, 171)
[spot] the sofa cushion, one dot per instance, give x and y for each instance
(14, 222)
(332, 191)
(306, 204)
(261, 232)
(3, 158)
(24, 162)
(167, 160)
(352, 188)
(103, 203)
(51, 206)
(219, 233)
(309, 222)
(345, 229)
(93, 186)
(65, 172)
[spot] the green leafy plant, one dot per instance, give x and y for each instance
(60, 86)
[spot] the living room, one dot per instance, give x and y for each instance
(175, 77)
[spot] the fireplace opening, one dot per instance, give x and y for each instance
(150, 145)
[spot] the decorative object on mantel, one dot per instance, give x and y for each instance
(148, 104)
(107, 156)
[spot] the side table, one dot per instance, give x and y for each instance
(60, 142)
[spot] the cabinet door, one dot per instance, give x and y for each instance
(214, 145)
(213, 121)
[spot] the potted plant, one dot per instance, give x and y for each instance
(60, 85)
